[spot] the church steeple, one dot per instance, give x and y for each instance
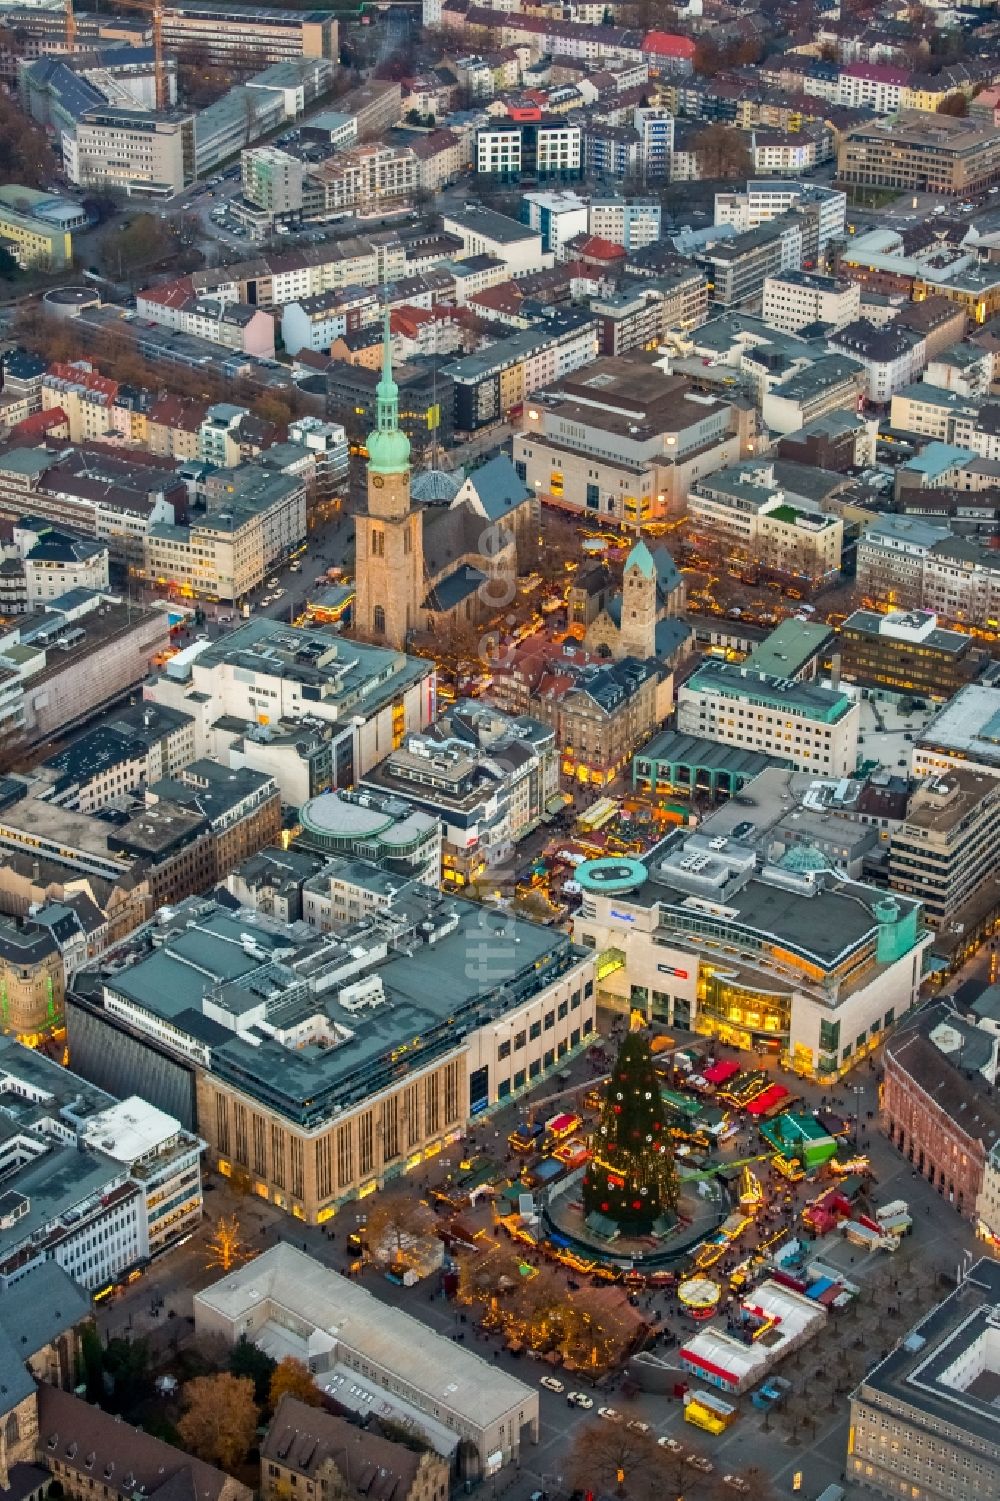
(388, 445)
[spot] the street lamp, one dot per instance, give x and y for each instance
(858, 1091)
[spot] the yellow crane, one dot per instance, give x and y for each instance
(153, 8)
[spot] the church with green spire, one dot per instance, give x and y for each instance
(425, 566)
(642, 619)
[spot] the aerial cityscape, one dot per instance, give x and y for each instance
(499, 750)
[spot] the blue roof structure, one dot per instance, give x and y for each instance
(498, 487)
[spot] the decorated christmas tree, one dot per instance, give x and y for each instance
(631, 1177)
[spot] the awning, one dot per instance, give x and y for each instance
(721, 1072)
(772, 1096)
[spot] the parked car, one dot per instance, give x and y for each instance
(699, 1462)
(551, 1384)
(609, 1414)
(581, 1400)
(636, 1425)
(671, 1444)
(736, 1483)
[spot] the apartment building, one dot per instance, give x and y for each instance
(229, 552)
(813, 727)
(797, 299)
(748, 510)
(544, 148)
(367, 174)
(911, 153)
(231, 325)
(942, 854)
(85, 396)
(489, 383)
(961, 734)
(313, 1137)
(623, 441)
(875, 86)
(632, 223)
(272, 180)
(558, 216)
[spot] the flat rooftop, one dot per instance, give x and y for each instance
(967, 726)
(810, 700)
(312, 1023)
(789, 648)
(298, 1291)
(947, 1369)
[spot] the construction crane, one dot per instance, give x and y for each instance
(153, 8)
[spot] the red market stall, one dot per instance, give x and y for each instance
(771, 1097)
(721, 1072)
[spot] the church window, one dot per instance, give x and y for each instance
(378, 544)
(378, 620)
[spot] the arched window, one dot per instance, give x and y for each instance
(12, 1429)
(378, 620)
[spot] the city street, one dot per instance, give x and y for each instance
(808, 1439)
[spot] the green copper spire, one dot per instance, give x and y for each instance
(388, 447)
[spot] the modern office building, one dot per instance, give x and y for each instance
(544, 148)
(790, 955)
(965, 732)
(913, 153)
(373, 1357)
(219, 33)
(924, 1418)
(265, 672)
(795, 299)
(943, 853)
(907, 652)
(485, 776)
(230, 549)
(295, 1043)
(813, 727)
(100, 1185)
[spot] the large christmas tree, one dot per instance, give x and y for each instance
(631, 1177)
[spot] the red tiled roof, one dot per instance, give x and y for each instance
(39, 423)
(668, 44)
